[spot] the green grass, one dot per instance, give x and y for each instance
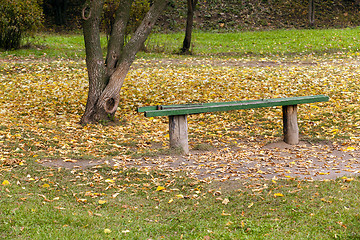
(276, 43)
(264, 43)
(44, 203)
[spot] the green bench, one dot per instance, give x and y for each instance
(178, 130)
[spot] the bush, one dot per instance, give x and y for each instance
(18, 19)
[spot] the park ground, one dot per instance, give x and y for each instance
(119, 180)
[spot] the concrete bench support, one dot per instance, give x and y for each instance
(291, 129)
(178, 132)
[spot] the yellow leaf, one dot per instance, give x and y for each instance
(250, 205)
(229, 223)
(106, 230)
(171, 200)
(70, 160)
(348, 179)
(225, 214)
(82, 200)
(179, 196)
(109, 180)
(334, 131)
(102, 202)
(45, 185)
(5, 182)
(322, 173)
(160, 188)
(350, 149)
(242, 223)
(278, 195)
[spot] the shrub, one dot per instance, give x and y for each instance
(18, 19)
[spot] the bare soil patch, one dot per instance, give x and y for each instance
(306, 161)
(231, 62)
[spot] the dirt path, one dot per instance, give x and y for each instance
(306, 161)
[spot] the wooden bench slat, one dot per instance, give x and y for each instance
(160, 107)
(169, 110)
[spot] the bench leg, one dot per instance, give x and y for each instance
(178, 132)
(291, 129)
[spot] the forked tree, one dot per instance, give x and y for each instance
(106, 75)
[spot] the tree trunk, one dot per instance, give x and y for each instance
(311, 13)
(191, 4)
(60, 7)
(107, 77)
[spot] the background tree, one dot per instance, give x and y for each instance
(311, 13)
(191, 5)
(60, 7)
(106, 76)
(18, 19)
(62, 14)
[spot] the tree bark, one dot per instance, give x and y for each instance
(311, 13)
(106, 77)
(191, 4)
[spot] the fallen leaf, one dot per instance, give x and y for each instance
(70, 160)
(107, 231)
(5, 183)
(115, 195)
(225, 214)
(229, 223)
(225, 201)
(278, 195)
(160, 188)
(179, 196)
(81, 200)
(350, 149)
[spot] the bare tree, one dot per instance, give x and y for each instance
(191, 4)
(106, 76)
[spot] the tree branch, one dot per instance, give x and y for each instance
(143, 31)
(117, 35)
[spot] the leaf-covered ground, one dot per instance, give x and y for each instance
(42, 101)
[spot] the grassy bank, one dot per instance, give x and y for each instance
(274, 44)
